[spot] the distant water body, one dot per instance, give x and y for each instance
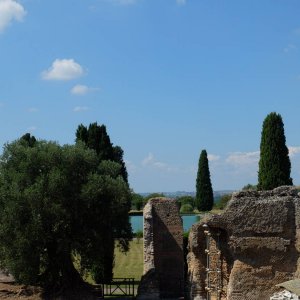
(188, 221)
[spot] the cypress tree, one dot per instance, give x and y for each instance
(204, 192)
(274, 163)
(95, 137)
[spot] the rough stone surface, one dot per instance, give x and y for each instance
(259, 244)
(163, 251)
(284, 295)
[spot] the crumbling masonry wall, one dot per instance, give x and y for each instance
(259, 244)
(163, 251)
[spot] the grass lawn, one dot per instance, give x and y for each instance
(129, 264)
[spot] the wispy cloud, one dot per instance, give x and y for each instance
(32, 109)
(289, 48)
(238, 159)
(150, 161)
(213, 157)
(130, 166)
(81, 90)
(181, 2)
(293, 150)
(10, 10)
(63, 69)
(80, 108)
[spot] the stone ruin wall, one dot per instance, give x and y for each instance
(163, 251)
(259, 245)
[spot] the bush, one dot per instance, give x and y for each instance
(139, 235)
(186, 208)
(223, 201)
(186, 200)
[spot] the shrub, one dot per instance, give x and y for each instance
(186, 208)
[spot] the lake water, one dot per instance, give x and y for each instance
(188, 221)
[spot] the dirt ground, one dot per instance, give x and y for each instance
(14, 291)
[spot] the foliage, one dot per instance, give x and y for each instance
(153, 195)
(249, 187)
(223, 201)
(57, 201)
(186, 208)
(186, 200)
(139, 235)
(137, 201)
(95, 137)
(204, 193)
(274, 163)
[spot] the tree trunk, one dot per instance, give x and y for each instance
(67, 283)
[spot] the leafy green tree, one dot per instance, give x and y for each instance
(28, 139)
(223, 201)
(57, 202)
(186, 208)
(95, 137)
(153, 195)
(249, 187)
(204, 193)
(137, 201)
(274, 163)
(186, 200)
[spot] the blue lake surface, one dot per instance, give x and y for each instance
(188, 221)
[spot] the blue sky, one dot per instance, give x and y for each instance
(168, 78)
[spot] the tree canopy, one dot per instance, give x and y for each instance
(95, 137)
(204, 192)
(274, 163)
(57, 202)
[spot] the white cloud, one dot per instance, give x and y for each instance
(293, 151)
(238, 159)
(80, 108)
(81, 90)
(181, 2)
(10, 10)
(32, 109)
(289, 48)
(150, 161)
(63, 69)
(213, 157)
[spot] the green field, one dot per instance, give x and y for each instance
(129, 264)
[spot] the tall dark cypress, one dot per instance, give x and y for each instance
(274, 163)
(204, 191)
(96, 137)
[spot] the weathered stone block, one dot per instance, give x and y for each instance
(259, 244)
(163, 251)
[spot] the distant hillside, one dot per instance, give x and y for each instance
(217, 194)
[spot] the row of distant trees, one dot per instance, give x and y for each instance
(186, 204)
(274, 164)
